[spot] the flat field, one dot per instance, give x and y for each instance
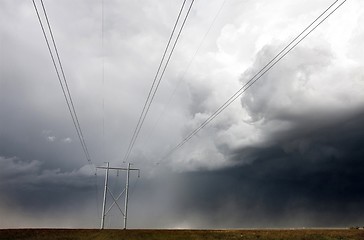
(83, 234)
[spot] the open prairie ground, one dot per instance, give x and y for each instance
(82, 234)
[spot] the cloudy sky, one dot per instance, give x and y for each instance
(287, 153)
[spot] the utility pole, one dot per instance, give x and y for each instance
(126, 195)
(104, 198)
(115, 200)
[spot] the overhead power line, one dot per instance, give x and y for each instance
(261, 73)
(103, 74)
(155, 84)
(62, 79)
(185, 72)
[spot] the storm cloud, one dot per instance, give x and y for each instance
(288, 153)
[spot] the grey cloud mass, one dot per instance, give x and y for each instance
(288, 153)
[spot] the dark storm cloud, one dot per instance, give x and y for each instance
(320, 186)
(32, 187)
(304, 165)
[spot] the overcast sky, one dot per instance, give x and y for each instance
(288, 153)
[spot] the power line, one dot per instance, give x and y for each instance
(155, 84)
(257, 76)
(103, 74)
(186, 70)
(64, 85)
(152, 87)
(184, 21)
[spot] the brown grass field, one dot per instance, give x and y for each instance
(81, 234)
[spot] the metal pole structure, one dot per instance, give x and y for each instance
(126, 196)
(104, 199)
(126, 191)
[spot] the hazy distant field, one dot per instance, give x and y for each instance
(40, 234)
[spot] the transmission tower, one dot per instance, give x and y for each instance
(115, 200)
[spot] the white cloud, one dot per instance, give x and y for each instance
(132, 51)
(317, 84)
(51, 138)
(67, 140)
